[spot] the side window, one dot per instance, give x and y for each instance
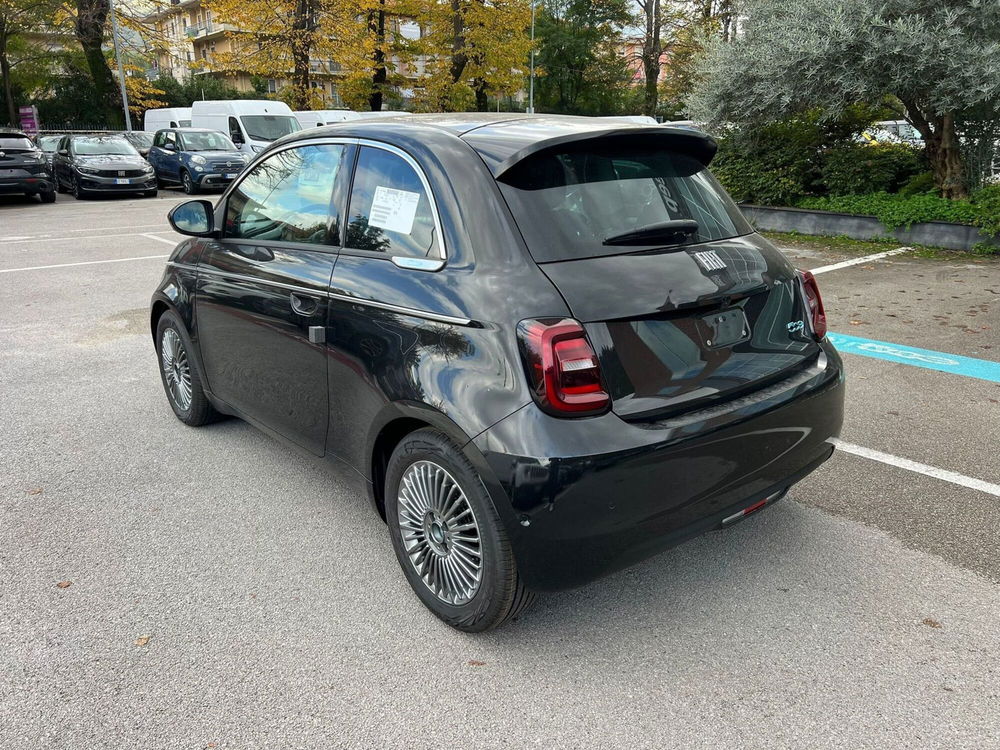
(235, 134)
(390, 210)
(170, 137)
(158, 138)
(287, 197)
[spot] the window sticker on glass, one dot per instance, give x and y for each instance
(393, 209)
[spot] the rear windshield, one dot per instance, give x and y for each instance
(15, 143)
(567, 203)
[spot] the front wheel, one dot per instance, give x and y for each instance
(179, 373)
(448, 537)
(78, 192)
(190, 187)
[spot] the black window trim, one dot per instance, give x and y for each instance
(334, 197)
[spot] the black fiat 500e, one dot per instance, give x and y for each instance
(545, 347)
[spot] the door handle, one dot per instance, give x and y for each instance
(303, 305)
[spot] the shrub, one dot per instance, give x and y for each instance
(858, 169)
(987, 202)
(898, 211)
(918, 184)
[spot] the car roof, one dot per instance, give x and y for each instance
(502, 140)
(12, 133)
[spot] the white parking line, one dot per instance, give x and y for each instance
(858, 261)
(928, 471)
(9, 241)
(82, 263)
(72, 231)
(161, 239)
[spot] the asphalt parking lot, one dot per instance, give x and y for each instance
(225, 592)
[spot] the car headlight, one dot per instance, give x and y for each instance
(87, 170)
(148, 169)
(197, 159)
(199, 169)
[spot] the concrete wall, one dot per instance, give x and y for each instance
(931, 234)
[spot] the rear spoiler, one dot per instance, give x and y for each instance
(693, 143)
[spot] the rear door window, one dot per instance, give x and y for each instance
(288, 198)
(567, 203)
(390, 210)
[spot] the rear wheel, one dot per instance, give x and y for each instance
(179, 373)
(190, 187)
(48, 197)
(448, 537)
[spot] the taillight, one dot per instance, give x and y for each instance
(562, 367)
(815, 302)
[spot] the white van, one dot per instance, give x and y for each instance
(250, 123)
(168, 117)
(384, 113)
(318, 117)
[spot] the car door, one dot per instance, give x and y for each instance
(156, 152)
(59, 161)
(171, 159)
(262, 292)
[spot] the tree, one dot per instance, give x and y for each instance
(90, 28)
(939, 58)
(579, 57)
(476, 47)
(279, 36)
(17, 19)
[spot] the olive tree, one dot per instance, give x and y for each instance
(939, 58)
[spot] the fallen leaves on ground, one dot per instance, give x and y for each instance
(64, 584)
(142, 640)
(931, 622)
(35, 491)
(476, 663)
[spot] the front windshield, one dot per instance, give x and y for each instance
(206, 142)
(184, 123)
(111, 145)
(269, 127)
(49, 143)
(15, 143)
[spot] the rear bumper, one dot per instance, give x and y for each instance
(583, 498)
(26, 185)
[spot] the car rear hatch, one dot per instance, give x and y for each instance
(686, 307)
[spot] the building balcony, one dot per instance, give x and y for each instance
(202, 30)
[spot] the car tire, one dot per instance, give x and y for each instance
(78, 192)
(48, 196)
(150, 194)
(60, 188)
(179, 373)
(189, 185)
(428, 476)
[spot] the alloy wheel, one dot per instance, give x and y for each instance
(440, 532)
(176, 370)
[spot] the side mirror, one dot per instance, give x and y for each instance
(169, 147)
(193, 218)
(64, 152)
(237, 138)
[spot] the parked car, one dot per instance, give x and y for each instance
(23, 167)
(142, 141)
(89, 164)
(195, 158)
(48, 144)
(166, 117)
(251, 124)
(544, 348)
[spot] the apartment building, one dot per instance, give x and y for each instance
(190, 38)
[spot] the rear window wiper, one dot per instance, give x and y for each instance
(663, 230)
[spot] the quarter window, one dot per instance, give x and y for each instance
(287, 197)
(390, 210)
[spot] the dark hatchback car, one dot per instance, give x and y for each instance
(546, 347)
(89, 164)
(24, 168)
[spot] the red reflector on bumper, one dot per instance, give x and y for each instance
(750, 509)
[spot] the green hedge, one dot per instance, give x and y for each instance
(981, 210)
